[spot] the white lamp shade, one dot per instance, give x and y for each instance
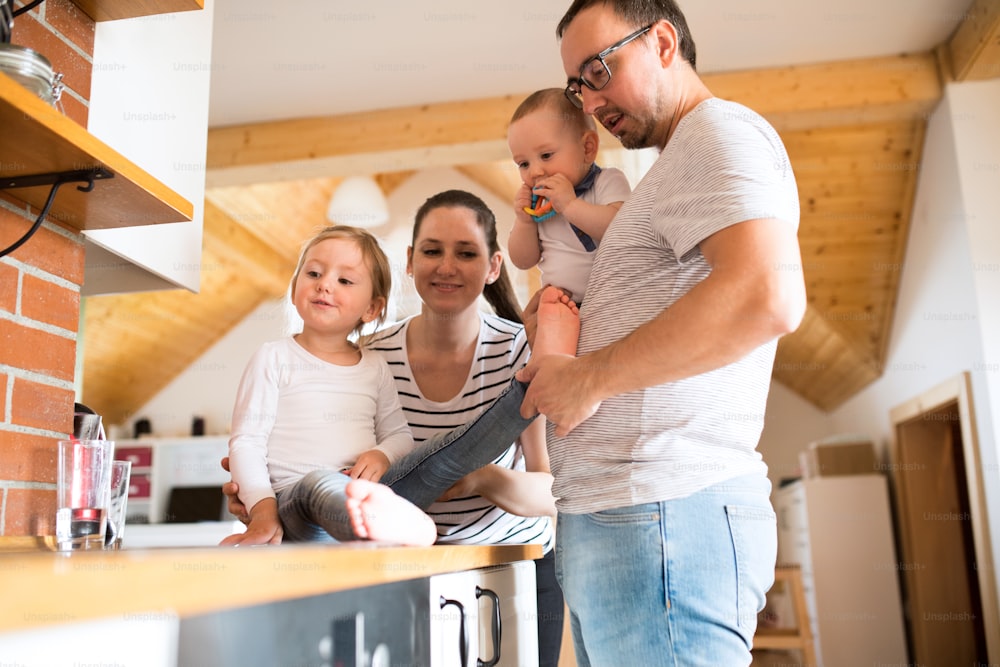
(358, 201)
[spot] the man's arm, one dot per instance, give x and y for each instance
(754, 294)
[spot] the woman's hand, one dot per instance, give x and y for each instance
(465, 487)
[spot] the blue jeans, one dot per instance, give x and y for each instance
(676, 583)
(315, 508)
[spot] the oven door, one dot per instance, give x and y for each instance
(375, 626)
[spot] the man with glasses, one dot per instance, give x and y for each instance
(666, 536)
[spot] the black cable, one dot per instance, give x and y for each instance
(27, 8)
(38, 223)
(6, 21)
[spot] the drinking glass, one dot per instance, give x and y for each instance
(83, 492)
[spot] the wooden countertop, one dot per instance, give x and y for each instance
(45, 588)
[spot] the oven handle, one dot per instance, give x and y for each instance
(494, 626)
(463, 639)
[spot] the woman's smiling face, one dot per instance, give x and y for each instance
(450, 260)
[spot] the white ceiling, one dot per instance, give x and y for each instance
(274, 60)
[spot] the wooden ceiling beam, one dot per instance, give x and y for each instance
(973, 51)
(471, 132)
(842, 93)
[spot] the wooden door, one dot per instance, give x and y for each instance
(944, 530)
(938, 564)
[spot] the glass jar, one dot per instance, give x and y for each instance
(32, 70)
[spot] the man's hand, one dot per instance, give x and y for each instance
(560, 388)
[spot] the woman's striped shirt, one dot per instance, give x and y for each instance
(501, 351)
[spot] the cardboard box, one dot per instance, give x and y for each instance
(829, 458)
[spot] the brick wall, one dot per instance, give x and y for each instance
(40, 300)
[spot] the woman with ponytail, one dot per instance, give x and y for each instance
(452, 361)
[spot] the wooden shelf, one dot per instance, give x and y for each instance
(38, 139)
(112, 10)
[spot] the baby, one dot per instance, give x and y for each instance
(566, 202)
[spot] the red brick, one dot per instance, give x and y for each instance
(74, 110)
(42, 406)
(71, 22)
(3, 407)
(8, 287)
(30, 512)
(27, 458)
(47, 302)
(46, 250)
(74, 67)
(38, 351)
(13, 226)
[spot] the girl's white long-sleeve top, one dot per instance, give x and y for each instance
(295, 413)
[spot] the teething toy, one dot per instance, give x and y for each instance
(541, 208)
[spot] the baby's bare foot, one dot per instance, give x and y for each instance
(379, 515)
(558, 324)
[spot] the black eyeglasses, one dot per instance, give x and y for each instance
(595, 73)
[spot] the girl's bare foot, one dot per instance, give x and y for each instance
(558, 324)
(379, 515)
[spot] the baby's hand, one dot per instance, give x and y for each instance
(557, 189)
(371, 465)
(522, 200)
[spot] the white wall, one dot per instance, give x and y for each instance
(977, 136)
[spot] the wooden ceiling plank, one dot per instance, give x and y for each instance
(820, 364)
(243, 254)
(973, 51)
(902, 237)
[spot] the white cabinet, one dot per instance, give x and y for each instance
(149, 100)
(454, 640)
(485, 617)
(515, 588)
(838, 530)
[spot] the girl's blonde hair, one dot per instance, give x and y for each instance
(374, 257)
